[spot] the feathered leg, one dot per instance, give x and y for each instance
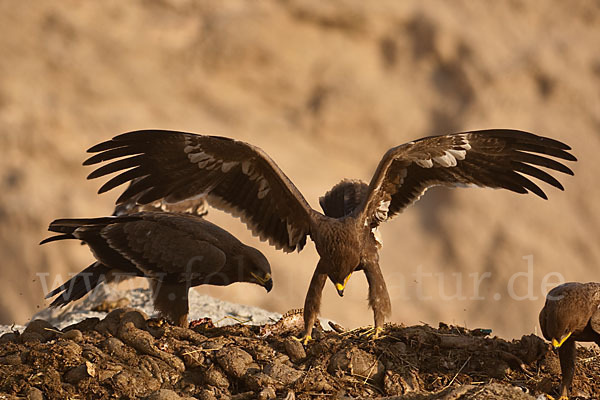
(312, 304)
(171, 301)
(566, 354)
(379, 299)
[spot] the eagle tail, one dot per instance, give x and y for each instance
(67, 226)
(57, 237)
(343, 198)
(79, 285)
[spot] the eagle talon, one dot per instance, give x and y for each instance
(560, 398)
(372, 333)
(304, 339)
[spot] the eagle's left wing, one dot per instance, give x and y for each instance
(498, 158)
(194, 206)
(236, 177)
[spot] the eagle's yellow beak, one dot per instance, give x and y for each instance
(265, 281)
(556, 344)
(340, 287)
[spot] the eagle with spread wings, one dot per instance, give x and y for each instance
(243, 180)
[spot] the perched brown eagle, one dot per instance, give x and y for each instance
(174, 251)
(241, 179)
(571, 314)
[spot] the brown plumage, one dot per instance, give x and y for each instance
(174, 251)
(242, 180)
(193, 206)
(571, 314)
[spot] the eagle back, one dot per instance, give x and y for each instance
(344, 198)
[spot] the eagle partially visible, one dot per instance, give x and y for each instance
(241, 179)
(174, 251)
(571, 314)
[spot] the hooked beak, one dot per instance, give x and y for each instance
(556, 344)
(265, 281)
(268, 285)
(340, 286)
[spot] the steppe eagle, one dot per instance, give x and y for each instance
(174, 251)
(571, 314)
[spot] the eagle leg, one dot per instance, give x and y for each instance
(566, 354)
(171, 301)
(379, 299)
(312, 304)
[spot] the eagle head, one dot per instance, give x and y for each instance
(256, 268)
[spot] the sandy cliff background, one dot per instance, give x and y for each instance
(325, 88)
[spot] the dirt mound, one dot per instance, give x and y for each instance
(127, 355)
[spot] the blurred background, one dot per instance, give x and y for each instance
(325, 88)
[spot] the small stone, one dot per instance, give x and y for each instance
(294, 350)
(282, 373)
(215, 377)
(34, 394)
(74, 335)
(234, 361)
(43, 328)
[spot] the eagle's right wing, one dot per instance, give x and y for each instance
(234, 176)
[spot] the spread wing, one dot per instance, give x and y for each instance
(194, 206)
(234, 176)
(491, 158)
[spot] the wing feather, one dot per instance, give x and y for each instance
(234, 176)
(492, 158)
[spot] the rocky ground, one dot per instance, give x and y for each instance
(124, 354)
